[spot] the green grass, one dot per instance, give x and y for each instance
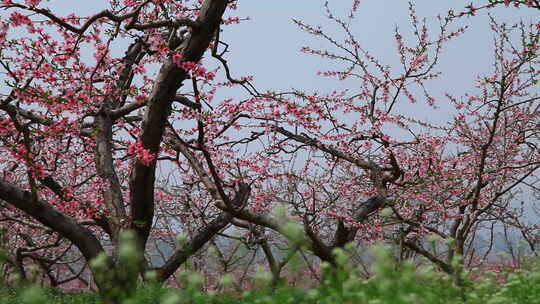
(409, 284)
(45, 296)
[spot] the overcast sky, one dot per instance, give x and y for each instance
(267, 45)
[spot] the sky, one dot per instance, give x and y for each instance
(267, 45)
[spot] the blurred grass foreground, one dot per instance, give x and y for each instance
(390, 284)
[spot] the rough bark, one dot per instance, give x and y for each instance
(169, 80)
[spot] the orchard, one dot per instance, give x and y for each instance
(125, 158)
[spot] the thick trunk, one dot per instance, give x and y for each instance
(168, 81)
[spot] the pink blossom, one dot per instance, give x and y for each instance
(18, 19)
(141, 154)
